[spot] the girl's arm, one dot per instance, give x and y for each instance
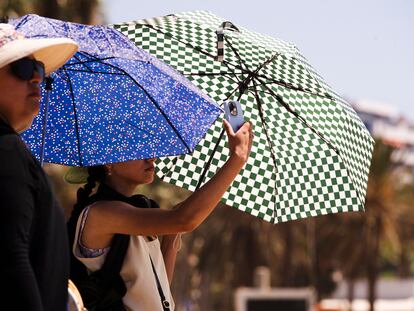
(109, 217)
(170, 245)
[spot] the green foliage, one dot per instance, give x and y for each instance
(81, 11)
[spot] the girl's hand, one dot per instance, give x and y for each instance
(240, 143)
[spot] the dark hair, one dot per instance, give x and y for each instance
(96, 174)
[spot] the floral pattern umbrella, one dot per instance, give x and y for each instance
(113, 101)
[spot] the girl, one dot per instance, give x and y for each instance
(148, 266)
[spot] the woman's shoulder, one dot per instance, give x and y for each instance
(15, 158)
(11, 143)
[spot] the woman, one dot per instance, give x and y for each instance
(34, 262)
(146, 259)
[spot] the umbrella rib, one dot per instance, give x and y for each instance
(290, 110)
(241, 61)
(244, 85)
(138, 128)
(211, 73)
(155, 104)
(283, 83)
(317, 82)
(280, 100)
(173, 163)
(82, 63)
(21, 22)
(227, 64)
(228, 75)
(269, 141)
(262, 118)
(151, 99)
(56, 28)
(207, 166)
(251, 74)
(76, 117)
(96, 58)
(93, 72)
(185, 43)
(290, 86)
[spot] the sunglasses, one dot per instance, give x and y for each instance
(25, 68)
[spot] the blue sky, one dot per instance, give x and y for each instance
(364, 49)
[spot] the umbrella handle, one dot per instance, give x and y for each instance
(48, 87)
(220, 38)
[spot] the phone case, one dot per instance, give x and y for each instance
(234, 114)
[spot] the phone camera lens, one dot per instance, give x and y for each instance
(233, 109)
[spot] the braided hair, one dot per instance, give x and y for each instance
(96, 175)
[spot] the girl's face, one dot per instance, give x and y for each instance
(134, 171)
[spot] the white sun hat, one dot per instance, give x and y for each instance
(52, 52)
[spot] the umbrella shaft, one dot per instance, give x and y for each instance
(48, 81)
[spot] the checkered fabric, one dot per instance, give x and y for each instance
(311, 153)
(220, 39)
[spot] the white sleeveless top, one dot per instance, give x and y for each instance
(142, 292)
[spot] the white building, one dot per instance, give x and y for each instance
(385, 122)
(392, 295)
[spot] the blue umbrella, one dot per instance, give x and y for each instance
(112, 101)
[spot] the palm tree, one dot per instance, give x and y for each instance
(223, 253)
(82, 11)
(354, 243)
(405, 201)
(360, 237)
(381, 212)
(15, 7)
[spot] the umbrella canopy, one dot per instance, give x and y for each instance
(113, 102)
(311, 153)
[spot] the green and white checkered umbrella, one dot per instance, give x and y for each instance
(311, 153)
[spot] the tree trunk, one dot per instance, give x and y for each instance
(372, 260)
(313, 257)
(404, 262)
(351, 292)
(49, 8)
(287, 256)
(84, 10)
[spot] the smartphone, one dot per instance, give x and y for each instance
(234, 114)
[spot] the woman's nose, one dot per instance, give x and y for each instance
(37, 78)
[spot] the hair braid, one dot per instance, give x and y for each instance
(96, 174)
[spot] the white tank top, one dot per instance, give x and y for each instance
(142, 292)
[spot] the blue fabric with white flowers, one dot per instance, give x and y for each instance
(114, 102)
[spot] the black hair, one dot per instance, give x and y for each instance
(96, 175)
(4, 19)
